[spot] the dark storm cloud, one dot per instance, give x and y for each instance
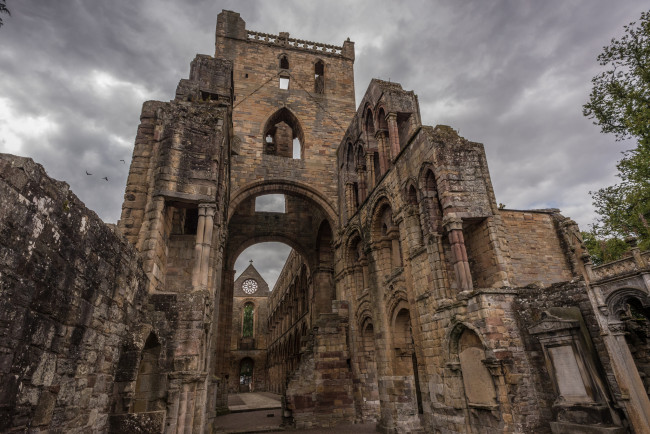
(510, 74)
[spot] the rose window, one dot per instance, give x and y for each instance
(249, 286)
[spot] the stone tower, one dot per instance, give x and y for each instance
(263, 116)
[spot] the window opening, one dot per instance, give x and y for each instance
(270, 203)
(284, 62)
(191, 221)
(319, 77)
(283, 135)
(296, 149)
(247, 326)
(246, 375)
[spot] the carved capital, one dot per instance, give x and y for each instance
(452, 222)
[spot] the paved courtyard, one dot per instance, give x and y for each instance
(258, 412)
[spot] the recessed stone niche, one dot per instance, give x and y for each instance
(581, 404)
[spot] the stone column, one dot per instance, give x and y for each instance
(370, 170)
(634, 397)
(454, 227)
(361, 176)
(203, 245)
(198, 250)
(393, 134)
(207, 242)
(384, 158)
(349, 199)
(323, 291)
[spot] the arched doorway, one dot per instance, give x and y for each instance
(246, 375)
(304, 223)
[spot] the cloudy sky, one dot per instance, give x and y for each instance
(512, 75)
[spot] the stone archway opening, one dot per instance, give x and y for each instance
(304, 288)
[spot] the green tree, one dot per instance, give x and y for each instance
(603, 250)
(620, 104)
(247, 329)
(3, 10)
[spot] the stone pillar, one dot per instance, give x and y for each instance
(634, 397)
(370, 170)
(209, 210)
(323, 291)
(198, 250)
(224, 330)
(384, 158)
(393, 135)
(203, 245)
(361, 176)
(349, 199)
(454, 227)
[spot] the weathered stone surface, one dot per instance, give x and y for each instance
(71, 291)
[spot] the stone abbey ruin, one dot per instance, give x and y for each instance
(409, 299)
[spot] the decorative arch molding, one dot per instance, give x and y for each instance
(397, 300)
(363, 312)
(453, 336)
(349, 156)
(282, 186)
(379, 121)
(409, 186)
(351, 238)
(381, 199)
(617, 299)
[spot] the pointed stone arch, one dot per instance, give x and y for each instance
(280, 130)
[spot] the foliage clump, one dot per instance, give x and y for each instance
(620, 104)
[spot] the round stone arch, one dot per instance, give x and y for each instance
(353, 237)
(397, 299)
(380, 120)
(381, 201)
(453, 335)
(363, 314)
(363, 121)
(287, 187)
(617, 299)
(411, 192)
(232, 255)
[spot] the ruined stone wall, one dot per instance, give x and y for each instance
(320, 392)
(425, 249)
(289, 320)
(174, 211)
(72, 293)
(568, 300)
(536, 251)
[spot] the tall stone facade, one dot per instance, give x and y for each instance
(249, 343)
(410, 299)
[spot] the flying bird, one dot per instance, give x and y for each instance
(106, 178)
(88, 173)
(123, 162)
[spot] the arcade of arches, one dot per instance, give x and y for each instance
(410, 299)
